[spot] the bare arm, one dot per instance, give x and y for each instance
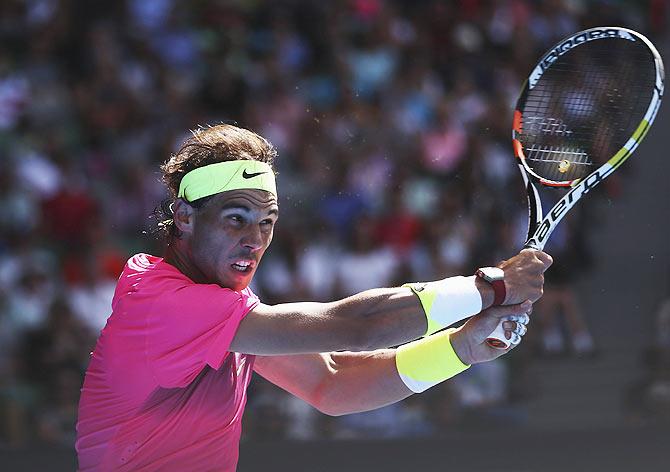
(338, 383)
(370, 320)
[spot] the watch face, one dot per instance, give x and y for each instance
(491, 274)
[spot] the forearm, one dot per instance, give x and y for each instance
(361, 381)
(397, 316)
(369, 320)
(388, 317)
(337, 383)
(365, 381)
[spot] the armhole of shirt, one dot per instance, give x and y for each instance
(219, 350)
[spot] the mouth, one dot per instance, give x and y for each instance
(243, 266)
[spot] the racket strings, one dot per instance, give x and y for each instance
(585, 107)
(571, 164)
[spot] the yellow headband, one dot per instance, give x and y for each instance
(223, 176)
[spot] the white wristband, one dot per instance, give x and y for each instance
(457, 298)
(448, 301)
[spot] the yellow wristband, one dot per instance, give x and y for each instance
(447, 301)
(428, 361)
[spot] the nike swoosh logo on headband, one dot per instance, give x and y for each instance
(252, 175)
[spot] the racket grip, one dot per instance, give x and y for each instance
(497, 339)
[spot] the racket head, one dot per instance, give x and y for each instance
(582, 112)
(587, 104)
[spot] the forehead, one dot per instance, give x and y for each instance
(252, 199)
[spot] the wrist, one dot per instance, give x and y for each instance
(460, 346)
(495, 278)
(486, 291)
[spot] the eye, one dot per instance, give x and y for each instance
(267, 223)
(235, 218)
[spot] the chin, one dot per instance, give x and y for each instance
(237, 283)
(233, 287)
(239, 287)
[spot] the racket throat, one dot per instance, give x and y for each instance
(539, 234)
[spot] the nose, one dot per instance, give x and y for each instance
(253, 239)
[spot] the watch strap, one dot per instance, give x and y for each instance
(498, 284)
(499, 292)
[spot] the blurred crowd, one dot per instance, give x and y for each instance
(392, 121)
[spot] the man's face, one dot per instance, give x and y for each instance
(230, 235)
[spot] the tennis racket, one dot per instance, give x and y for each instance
(583, 110)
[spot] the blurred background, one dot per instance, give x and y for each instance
(392, 120)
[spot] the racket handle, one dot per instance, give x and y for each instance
(497, 338)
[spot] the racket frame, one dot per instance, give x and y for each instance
(541, 226)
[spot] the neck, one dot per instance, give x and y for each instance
(177, 255)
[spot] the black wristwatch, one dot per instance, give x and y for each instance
(496, 277)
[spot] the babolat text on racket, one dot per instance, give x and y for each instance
(583, 110)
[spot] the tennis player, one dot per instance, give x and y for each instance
(166, 385)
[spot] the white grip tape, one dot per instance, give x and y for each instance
(497, 338)
(457, 299)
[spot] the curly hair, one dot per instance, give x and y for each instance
(208, 145)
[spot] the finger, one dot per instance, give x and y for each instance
(537, 281)
(509, 325)
(523, 319)
(503, 311)
(515, 339)
(545, 258)
(520, 329)
(514, 328)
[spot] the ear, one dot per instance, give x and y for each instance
(183, 216)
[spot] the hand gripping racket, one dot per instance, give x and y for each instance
(582, 112)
